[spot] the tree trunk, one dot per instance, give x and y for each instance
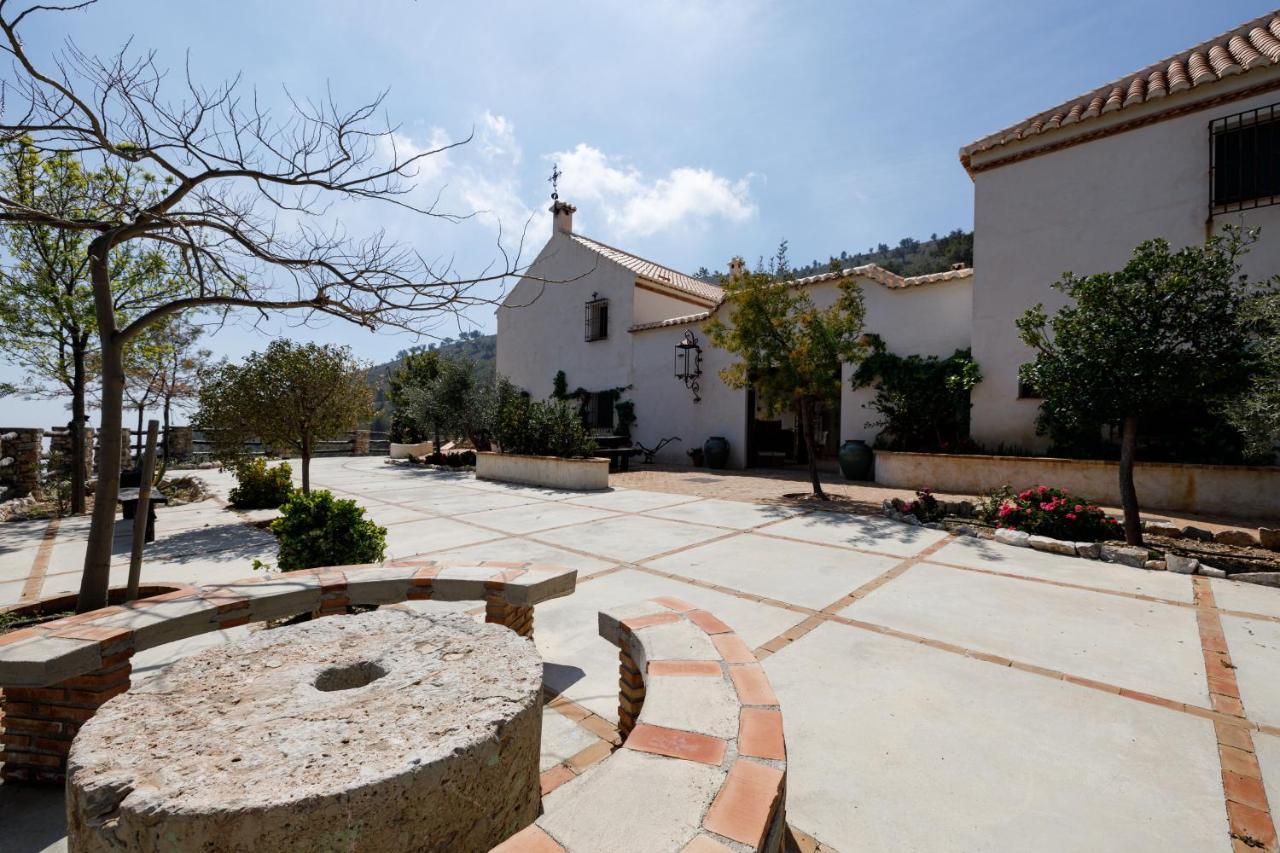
(137, 436)
(306, 464)
(78, 450)
(165, 446)
(97, 557)
(809, 429)
(1128, 492)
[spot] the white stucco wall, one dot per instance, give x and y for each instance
(1084, 208)
(541, 326)
(651, 307)
(930, 319)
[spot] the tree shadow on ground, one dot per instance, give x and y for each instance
(221, 543)
(35, 818)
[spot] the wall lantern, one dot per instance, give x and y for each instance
(689, 362)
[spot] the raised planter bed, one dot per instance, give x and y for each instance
(553, 472)
(404, 451)
(1243, 490)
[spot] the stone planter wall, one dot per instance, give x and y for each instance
(22, 476)
(179, 442)
(549, 471)
(60, 443)
(1244, 490)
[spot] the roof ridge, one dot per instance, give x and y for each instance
(646, 268)
(1238, 50)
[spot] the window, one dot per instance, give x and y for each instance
(597, 319)
(1245, 160)
(598, 410)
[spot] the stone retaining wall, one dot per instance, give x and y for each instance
(1245, 490)
(552, 472)
(22, 476)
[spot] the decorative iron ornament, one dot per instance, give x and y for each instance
(555, 181)
(689, 363)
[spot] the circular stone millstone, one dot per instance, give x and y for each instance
(385, 731)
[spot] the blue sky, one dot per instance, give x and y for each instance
(688, 131)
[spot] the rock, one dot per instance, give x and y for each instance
(1211, 572)
(1181, 565)
(964, 530)
(1235, 537)
(886, 505)
(1052, 546)
(1269, 537)
(964, 509)
(1017, 538)
(1162, 528)
(1197, 533)
(1125, 555)
(1264, 578)
(383, 730)
(909, 518)
(1089, 550)
(1154, 565)
(933, 525)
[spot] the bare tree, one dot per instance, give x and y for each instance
(242, 200)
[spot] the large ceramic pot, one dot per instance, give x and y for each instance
(716, 451)
(855, 460)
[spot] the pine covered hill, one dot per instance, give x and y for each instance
(472, 346)
(909, 257)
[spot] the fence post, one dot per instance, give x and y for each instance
(360, 444)
(143, 512)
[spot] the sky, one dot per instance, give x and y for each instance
(687, 132)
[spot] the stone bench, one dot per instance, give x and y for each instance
(54, 676)
(702, 766)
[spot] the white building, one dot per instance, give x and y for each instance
(612, 320)
(1175, 150)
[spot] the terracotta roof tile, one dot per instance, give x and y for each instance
(653, 272)
(1255, 44)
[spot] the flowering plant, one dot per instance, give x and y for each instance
(925, 507)
(1046, 511)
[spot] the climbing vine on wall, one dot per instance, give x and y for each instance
(923, 403)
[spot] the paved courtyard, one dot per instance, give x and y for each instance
(938, 693)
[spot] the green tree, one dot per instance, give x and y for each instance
(460, 401)
(790, 351)
(1256, 412)
(923, 402)
(415, 370)
(1167, 327)
(291, 395)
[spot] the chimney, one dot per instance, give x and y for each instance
(562, 217)
(736, 267)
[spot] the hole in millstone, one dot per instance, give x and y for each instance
(349, 677)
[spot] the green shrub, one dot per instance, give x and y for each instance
(316, 530)
(1044, 511)
(539, 427)
(261, 487)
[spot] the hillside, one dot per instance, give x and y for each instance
(473, 346)
(909, 257)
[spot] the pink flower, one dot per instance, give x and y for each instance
(1071, 515)
(1042, 489)
(1079, 508)
(1025, 495)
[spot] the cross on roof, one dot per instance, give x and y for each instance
(555, 180)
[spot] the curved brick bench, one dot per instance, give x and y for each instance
(703, 763)
(56, 675)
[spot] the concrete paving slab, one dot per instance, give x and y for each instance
(578, 663)
(34, 820)
(11, 592)
(528, 518)
(15, 564)
(734, 514)
(632, 500)
(562, 739)
(1267, 747)
(1255, 651)
(1246, 597)
(521, 550)
(458, 501)
(855, 531)
(795, 572)
(1103, 637)
(628, 538)
(894, 746)
(385, 514)
(670, 799)
(434, 534)
(985, 554)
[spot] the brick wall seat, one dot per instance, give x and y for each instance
(53, 677)
(702, 766)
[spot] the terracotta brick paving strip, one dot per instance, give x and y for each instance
(1248, 813)
(40, 565)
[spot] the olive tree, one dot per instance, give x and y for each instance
(243, 200)
(291, 395)
(1168, 327)
(789, 350)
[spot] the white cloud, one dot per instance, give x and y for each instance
(635, 206)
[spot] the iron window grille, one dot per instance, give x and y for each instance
(597, 319)
(1244, 160)
(598, 411)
